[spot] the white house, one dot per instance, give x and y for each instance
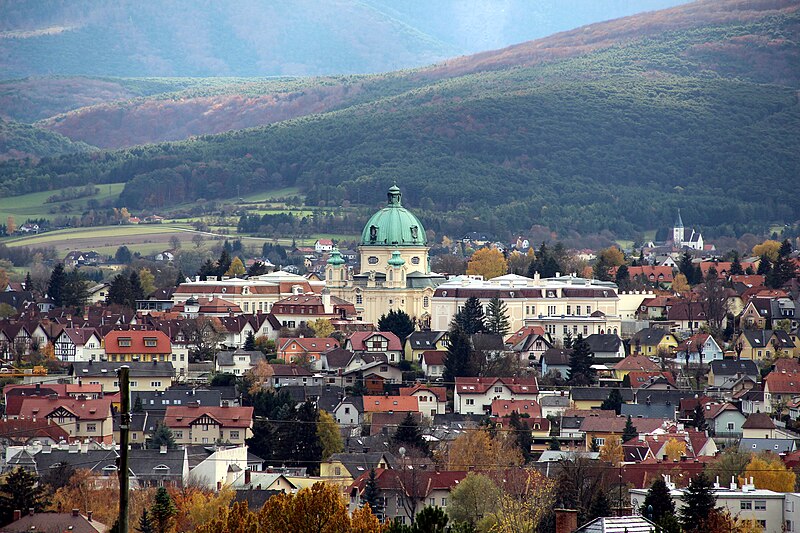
(475, 395)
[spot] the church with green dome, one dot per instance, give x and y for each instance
(394, 270)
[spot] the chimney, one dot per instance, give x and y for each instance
(566, 520)
(31, 511)
(17, 514)
(89, 516)
(162, 449)
(247, 476)
(75, 513)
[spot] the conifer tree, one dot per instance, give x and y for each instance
(555, 445)
(137, 405)
(398, 322)
(522, 435)
(20, 491)
(458, 360)
(600, 506)
(28, 282)
(146, 524)
(181, 278)
(137, 292)
(120, 292)
(613, 402)
(207, 269)
(306, 448)
(699, 503)
(55, 287)
(408, 434)
(699, 418)
(630, 430)
(580, 363)
(224, 262)
(764, 266)
(497, 317)
(658, 502)
(371, 495)
(736, 265)
(162, 511)
(250, 342)
(470, 318)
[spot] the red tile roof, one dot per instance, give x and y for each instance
(506, 407)
(786, 365)
(652, 273)
(359, 338)
(617, 424)
(604, 413)
(481, 385)
(39, 408)
(524, 332)
(696, 339)
(439, 392)
(139, 342)
(780, 383)
(639, 377)
(636, 362)
(433, 357)
(178, 416)
(22, 430)
(385, 404)
(309, 344)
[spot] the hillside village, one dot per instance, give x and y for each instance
(394, 383)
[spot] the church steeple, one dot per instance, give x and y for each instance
(677, 231)
(679, 221)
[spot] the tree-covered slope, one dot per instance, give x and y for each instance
(22, 140)
(614, 139)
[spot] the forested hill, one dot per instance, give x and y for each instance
(22, 140)
(705, 118)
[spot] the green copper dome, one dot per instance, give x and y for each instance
(396, 260)
(393, 225)
(336, 258)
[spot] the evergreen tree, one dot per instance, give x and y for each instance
(304, 440)
(163, 436)
(623, 278)
(20, 492)
(398, 322)
(181, 278)
(522, 435)
(408, 434)
(28, 282)
(55, 287)
(630, 430)
(250, 342)
(613, 402)
(594, 446)
(783, 269)
(699, 503)
(207, 269)
(555, 445)
(224, 262)
(146, 524)
(580, 363)
(736, 265)
(568, 340)
(137, 292)
(372, 496)
(600, 506)
(470, 318)
(430, 520)
(123, 255)
(227, 247)
(458, 361)
(497, 317)
(546, 264)
(120, 292)
(658, 503)
(75, 292)
(764, 266)
(137, 405)
(257, 269)
(699, 418)
(600, 269)
(686, 267)
(162, 511)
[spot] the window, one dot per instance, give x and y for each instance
(372, 260)
(569, 309)
(91, 428)
(470, 401)
(760, 505)
(745, 505)
(588, 309)
(431, 501)
(359, 299)
(600, 441)
(347, 410)
(444, 502)
(235, 434)
(338, 471)
(426, 301)
(551, 309)
(415, 260)
(178, 434)
(762, 523)
(730, 426)
(124, 341)
(205, 440)
(155, 383)
(566, 329)
(134, 383)
(585, 330)
(498, 389)
(150, 342)
(577, 309)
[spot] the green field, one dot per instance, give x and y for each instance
(33, 205)
(268, 196)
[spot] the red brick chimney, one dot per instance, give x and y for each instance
(89, 516)
(75, 513)
(17, 514)
(247, 476)
(566, 520)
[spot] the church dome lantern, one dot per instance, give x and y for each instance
(393, 225)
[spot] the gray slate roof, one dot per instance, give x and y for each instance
(771, 445)
(104, 368)
(603, 343)
(639, 410)
(424, 340)
(160, 400)
(726, 367)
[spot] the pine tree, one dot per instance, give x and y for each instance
(20, 491)
(28, 282)
(658, 502)
(430, 520)
(736, 266)
(372, 496)
(250, 342)
(497, 317)
(458, 360)
(207, 269)
(75, 292)
(555, 445)
(181, 278)
(137, 292)
(699, 418)
(305, 444)
(137, 405)
(408, 434)
(120, 292)
(470, 318)
(568, 340)
(764, 266)
(594, 446)
(55, 287)
(162, 511)
(699, 503)
(580, 363)
(686, 267)
(224, 262)
(163, 436)
(398, 322)
(146, 524)
(522, 435)
(623, 278)
(613, 402)
(630, 430)
(600, 506)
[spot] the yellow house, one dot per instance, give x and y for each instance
(588, 398)
(760, 344)
(651, 341)
(347, 467)
(422, 341)
(154, 376)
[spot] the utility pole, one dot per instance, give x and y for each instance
(124, 436)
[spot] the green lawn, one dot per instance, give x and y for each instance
(33, 205)
(266, 196)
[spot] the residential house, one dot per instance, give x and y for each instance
(723, 372)
(390, 404)
(555, 361)
(237, 362)
(350, 466)
(780, 388)
(433, 364)
(760, 344)
(432, 401)
(196, 424)
(652, 341)
(760, 426)
(350, 411)
(158, 467)
(554, 404)
(696, 344)
(80, 418)
(763, 311)
(503, 408)
(74, 522)
(376, 342)
(724, 419)
(592, 397)
(424, 341)
(291, 374)
(687, 316)
(305, 349)
(634, 363)
(649, 379)
(300, 309)
(777, 446)
(530, 342)
(78, 344)
(153, 376)
(323, 245)
(139, 347)
(475, 395)
(606, 347)
(602, 428)
(661, 276)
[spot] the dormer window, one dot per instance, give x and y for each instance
(150, 342)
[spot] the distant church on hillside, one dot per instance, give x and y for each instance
(695, 240)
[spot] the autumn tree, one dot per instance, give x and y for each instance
(147, 281)
(319, 508)
(769, 472)
(522, 510)
(675, 449)
(730, 464)
(322, 327)
(236, 269)
(611, 451)
(474, 498)
(197, 505)
(478, 448)
(496, 320)
(680, 284)
(768, 248)
(487, 262)
(328, 434)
